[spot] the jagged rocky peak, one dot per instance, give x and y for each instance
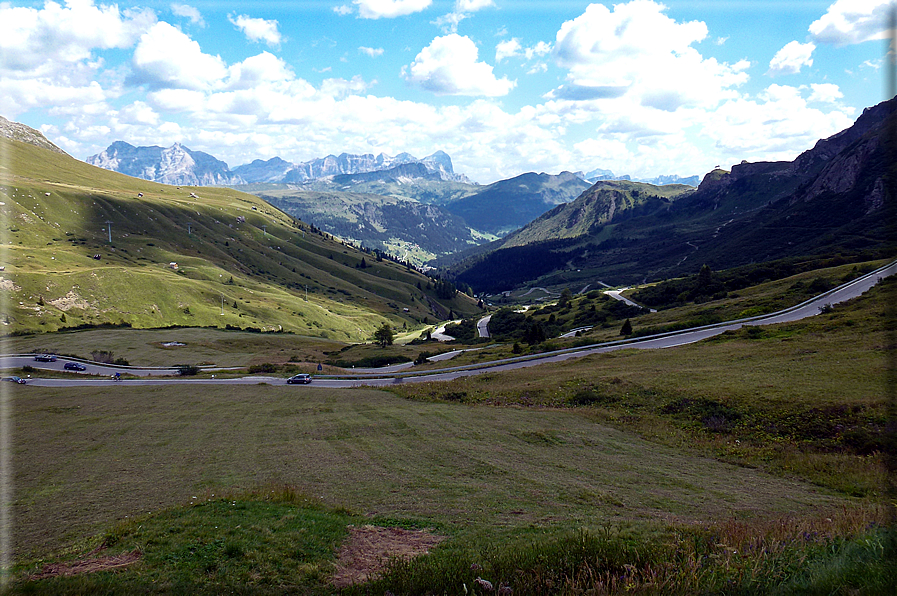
(176, 165)
(25, 134)
(180, 165)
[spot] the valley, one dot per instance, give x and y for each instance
(691, 442)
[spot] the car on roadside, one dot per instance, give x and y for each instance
(300, 379)
(45, 358)
(74, 366)
(15, 379)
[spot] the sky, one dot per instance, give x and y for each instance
(503, 86)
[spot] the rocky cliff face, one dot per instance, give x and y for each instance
(175, 165)
(180, 165)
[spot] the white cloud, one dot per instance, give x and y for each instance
(507, 49)
(641, 50)
(265, 68)
(777, 124)
(512, 47)
(448, 66)
(449, 22)
(852, 21)
(54, 37)
(257, 29)
(388, 9)
(166, 57)
(825, 93)
(791, 58)
(342, 10)
(372, 52)
(139, 113)
(187, 11)
(472, 5)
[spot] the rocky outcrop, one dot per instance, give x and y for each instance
(25, 134)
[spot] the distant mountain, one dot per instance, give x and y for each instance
(829, 200)
(176, 165)
(179, 165)
(509, 204)
(605, 202)
(599, 174)
(409, 230)
(403, 173)
(20, 132)
(272, 171)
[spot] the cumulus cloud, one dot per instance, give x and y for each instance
(825, 92)
(852, 21)
(777, 124)
(507, 49)
(388, 9)
(638, 47)
(512, 47)
(257, 29)
(189, 12)
(372, 52)
(56, 36)
(449, 66)
(167, 57)
(791, 58)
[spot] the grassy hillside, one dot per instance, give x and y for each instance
(240, 262)
(601, 204)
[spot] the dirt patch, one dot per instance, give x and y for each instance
(110, 563)
(368, 549)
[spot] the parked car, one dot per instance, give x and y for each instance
(45, 358)
(15, 379)
(301, 378)
(74, 366)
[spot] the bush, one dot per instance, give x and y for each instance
(187, 370)
(265, 367)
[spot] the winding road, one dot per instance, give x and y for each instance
(397, 374)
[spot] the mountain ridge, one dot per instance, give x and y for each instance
(828, 199)
(179, 165)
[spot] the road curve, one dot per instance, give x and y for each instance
(806, 309)
(483, 326)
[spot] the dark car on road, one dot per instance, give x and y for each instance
(74, 366)
(300, 379)
(45, 358)
(14, 379)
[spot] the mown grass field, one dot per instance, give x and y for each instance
(749, 463)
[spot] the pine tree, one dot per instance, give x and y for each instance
(383, 336)
(627, 328)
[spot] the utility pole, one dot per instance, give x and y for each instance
(222, 304)
(109, 229)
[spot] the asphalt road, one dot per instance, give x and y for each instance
(483, 326)
(380, 377)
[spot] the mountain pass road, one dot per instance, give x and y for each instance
(379, 377)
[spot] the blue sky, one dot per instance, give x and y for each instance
(504, 86)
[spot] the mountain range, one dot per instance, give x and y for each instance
(89, 247)
(179, 165)
(830, 199)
